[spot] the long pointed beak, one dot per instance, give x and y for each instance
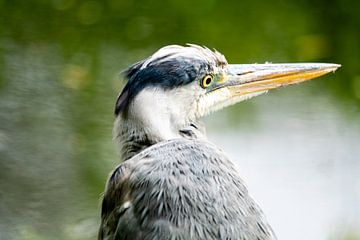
(242, 79)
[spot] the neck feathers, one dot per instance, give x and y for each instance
(132, 138)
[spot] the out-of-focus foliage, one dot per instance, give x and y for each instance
(59, 65)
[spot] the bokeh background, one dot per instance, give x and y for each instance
(298, 148)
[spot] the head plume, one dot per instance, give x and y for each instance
(169, 67)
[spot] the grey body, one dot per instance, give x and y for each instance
(180, 189)
(173, 183)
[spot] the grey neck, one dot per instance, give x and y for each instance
(133, 138)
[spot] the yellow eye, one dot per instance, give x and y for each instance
(206, 81)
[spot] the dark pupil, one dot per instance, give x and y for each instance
(207, 80)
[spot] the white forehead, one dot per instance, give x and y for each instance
(191, 51)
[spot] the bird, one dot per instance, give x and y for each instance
(172, 182)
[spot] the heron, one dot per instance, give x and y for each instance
(173, 183)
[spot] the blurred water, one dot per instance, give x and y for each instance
(301, 163)
(296, 148)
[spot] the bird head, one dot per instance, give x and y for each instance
(178, 85)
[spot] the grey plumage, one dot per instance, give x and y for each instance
(173, 183)
(181, 189)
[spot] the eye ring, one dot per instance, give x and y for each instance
(206, 81)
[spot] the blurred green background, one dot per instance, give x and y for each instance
(59, 77)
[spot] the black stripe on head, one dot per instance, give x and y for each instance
(167, 75)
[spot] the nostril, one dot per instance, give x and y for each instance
(244, 73)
